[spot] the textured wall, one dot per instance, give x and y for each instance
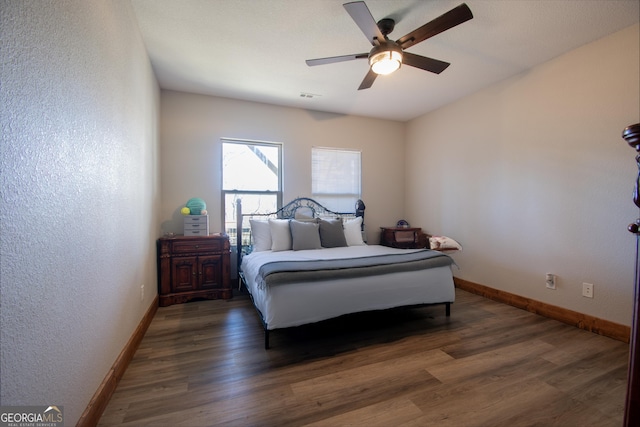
(79, 189)
(532, 176)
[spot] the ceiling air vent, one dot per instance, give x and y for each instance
(308, 95)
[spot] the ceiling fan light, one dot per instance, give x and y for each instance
(386, 61)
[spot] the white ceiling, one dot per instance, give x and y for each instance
(256, 49)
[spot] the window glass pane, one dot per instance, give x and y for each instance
(251, 172)
(253, 167)
(251, 203)
(336, 178)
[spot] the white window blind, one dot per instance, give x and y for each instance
(336, 178)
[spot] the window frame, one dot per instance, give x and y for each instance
(224, 192)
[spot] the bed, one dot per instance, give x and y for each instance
(306, 263)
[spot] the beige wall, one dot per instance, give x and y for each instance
(79, 196)
(532, 176)
(192, 126)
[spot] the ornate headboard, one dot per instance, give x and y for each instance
(300, 208)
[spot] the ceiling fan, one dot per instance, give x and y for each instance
(387, 55)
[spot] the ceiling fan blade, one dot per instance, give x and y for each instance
(424, 63)
(362, 16)
(368, 80)
(332, 59)
(455, 16)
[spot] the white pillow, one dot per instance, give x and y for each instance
(443, 243)
(353, 232)
(261, 235)
(280, 235)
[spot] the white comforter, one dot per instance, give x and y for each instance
(301, 303)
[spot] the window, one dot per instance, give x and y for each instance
(252, 172)
(335, 178)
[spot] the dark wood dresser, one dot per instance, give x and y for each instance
(404, 237)
(193, 267)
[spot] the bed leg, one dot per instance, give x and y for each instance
(448, 309)
(266, 339)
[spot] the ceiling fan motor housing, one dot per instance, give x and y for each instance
(386, 26)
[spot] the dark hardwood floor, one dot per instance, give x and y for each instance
(489, 364)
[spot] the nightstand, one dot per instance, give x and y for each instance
(404, 237)
(192, 268)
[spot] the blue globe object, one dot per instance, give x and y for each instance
(196, 205)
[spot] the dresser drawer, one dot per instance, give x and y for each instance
(196, 232)
(209, 245)
(196, 219)
(196, 226)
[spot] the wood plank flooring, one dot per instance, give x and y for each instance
(489, 364)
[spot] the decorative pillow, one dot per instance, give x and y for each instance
(261, 234)
(353, 232)
(280, 235)
(304, 235)
(303, 213)
(443, 243)
(332, 233)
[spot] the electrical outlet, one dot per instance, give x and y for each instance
(587, 290)
(551, 281)
(142, 292)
